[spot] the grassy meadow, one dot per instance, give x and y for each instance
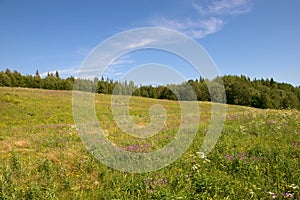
(42, 157)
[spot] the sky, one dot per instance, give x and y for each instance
(256, 38)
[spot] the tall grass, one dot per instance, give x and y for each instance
(42, 157)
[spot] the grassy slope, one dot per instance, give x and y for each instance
(42, 156)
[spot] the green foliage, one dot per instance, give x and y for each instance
(240, 90)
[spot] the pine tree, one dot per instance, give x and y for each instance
(56, 74)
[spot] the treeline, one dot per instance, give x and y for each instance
(51, 81)
(240, 90)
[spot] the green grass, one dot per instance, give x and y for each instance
(42, 157)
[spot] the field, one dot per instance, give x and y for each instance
(42, 156)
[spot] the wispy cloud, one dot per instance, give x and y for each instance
(116, 68)
(197, 28)
(209, 19)
(140, 44)
(123, 60)
(113, 72)
(109, 52)
(224, 7)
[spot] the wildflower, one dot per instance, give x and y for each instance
(289, 195)
(193, 156)
(137, 148)
(233, 117)
(272, 122)
(294, 186)
(201, 154)
(242, 156)
(153, 183)
(273, 195)
(229, 157)
(149, 191)
(195, 167)
(162, 181)
(254, 158)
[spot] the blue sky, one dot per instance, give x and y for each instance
(257, 38)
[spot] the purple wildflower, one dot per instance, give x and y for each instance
(272, 121)
(289, 195)
(137, 148)
(273, 195)
(243, 157)
(233, 117)
(229, 157)
(155, 182)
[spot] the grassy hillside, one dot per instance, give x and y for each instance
(42, 157)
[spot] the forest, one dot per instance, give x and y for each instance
(240, 90)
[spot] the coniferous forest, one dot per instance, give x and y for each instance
(240, 90)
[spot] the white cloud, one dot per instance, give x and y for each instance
(112, 72)
(119, 45)
(198, 28)
(209, 20)
(140, 44)
(224, 7)
(122, 60)
(194, 28)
